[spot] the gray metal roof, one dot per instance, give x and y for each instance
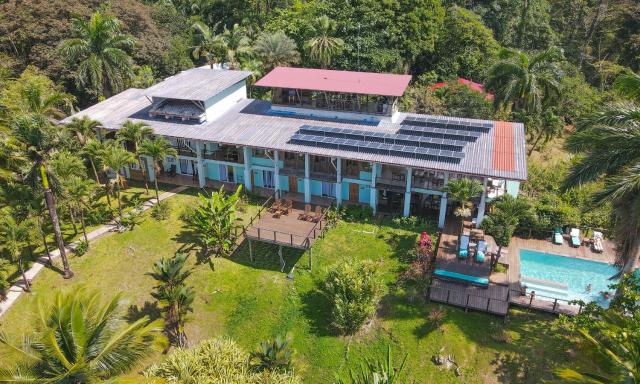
(198, 84)
(251, 123)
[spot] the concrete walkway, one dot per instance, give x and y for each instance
(17, 289)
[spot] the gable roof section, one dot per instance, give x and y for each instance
(504, 153)
(199, 84)
(366, 83)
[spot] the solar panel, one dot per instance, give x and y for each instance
(450, 123)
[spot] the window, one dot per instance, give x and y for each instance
(186, 167)
(328, 189)
(267, 179)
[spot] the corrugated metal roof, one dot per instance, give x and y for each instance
(198, 84)
(250, 123)
(367, 83)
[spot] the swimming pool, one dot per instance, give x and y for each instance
(565, 277)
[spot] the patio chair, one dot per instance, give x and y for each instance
(597, 242)
(575, 237)
(307, 212)
(557, 236)
(288, 206)
(277, 203)
(481, 250)
(463, 251)
(318, 214)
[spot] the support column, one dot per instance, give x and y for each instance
(201, 180)
(339, 181)
(443, 204)
(276, 173)
(373, 196)
(151, 169)
(482, 205)
(407, 194)
(307, 181)
(247, 168)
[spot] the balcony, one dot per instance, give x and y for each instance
(184, 151)
(393, 180)
(430, 180)
(229, 156)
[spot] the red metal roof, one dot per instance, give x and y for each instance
(504, 156)
(366, 83)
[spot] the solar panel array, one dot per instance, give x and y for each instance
(426, 138)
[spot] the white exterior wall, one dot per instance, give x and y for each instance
(220, 107)
(335, 114)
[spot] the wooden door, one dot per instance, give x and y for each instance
(293, 184)
(354, 192)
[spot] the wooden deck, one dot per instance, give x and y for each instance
(494, 299)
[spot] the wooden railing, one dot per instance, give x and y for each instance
(468, 300)
(544, 303)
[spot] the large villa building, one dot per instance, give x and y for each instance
(325, 137)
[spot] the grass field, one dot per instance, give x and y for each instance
(250, 302)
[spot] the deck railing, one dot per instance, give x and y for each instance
(469, 301)
(544, 303)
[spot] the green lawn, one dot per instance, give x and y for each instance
(254, 301)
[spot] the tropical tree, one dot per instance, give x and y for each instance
(99, 54)
(215, 221)
(628, 84)
(463, 190)
(115, 157)
(157, 149)
(84, 128)
(503, 220)
(276, 49)
(273, 355)
(134, 132)
(608, 141)
(324, 46)
(174, 295)
(37, 139)
(528, 83)
(66, 166)
(80, 340)
(80, 191)
(209, 44)
(93, 149)
(236, 45)
(15, 237)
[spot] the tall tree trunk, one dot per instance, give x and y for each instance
(144, 175)
(95, 171)
(84, 227)
(73, 219)
(118, 199)
(45, 243)
(157, 193)
(106, 192)
(27, 285)
(535, 144)
(53, 213)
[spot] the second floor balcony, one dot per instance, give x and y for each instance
(226, 153)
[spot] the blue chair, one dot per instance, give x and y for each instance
(480, 251)
(463, 251)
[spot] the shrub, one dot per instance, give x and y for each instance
(333, 214)
(187, 213)
(98, 215)
(358, 213)
(353, 288)
(437, 316)
(215, 361)
(161, 211)
(133, 219)
(81, 248)
(4, 278)
(273, 355)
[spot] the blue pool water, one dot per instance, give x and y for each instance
(570, 275)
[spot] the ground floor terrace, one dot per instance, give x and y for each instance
(311, 179)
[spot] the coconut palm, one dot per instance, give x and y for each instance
(324, 47)
(503, 220)
(116, 158)
(15, 238)
(524, 82)
(157, 149)
(628, 84)
(134, 132)
(276, 49)
(209, 44)
(66, 165)
(93, 150)
(609, 140)
(236, 45)
(462, 191)
(80, 340)
(99, 54)
(84, 128)
(46, 102)
(37, 139)
(79, 191)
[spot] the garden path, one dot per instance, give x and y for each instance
(17, 289)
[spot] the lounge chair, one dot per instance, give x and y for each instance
(307, 212)
(287, 207)
(481, 250)
(277, 204)
(318, 214)
(463, 251)
(597, 242)
(557, 236)
(575, 237)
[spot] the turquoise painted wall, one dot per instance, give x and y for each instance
(365, 175)
(300, 185)
(239, 174)
(265, 162)
(284, 183)
(257, 179)
(364, 194)
(213, 171)
(345, 191)
(316, 188)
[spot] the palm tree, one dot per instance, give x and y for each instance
(503, 220)
(79, 191)
(462, 191)
(134, 132)
(93, 150)
(157, 149)
(65, 166)
(37, 139)
(84, 128)
(236, 45)
(80, 340)
(608, 141)
(628, 84)
(172, 293)
(116, 158)
(526, 83)
(46, 102)
(210, 45)
(276, 49)
(99, 52)
(15, 237)
(324, 47)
